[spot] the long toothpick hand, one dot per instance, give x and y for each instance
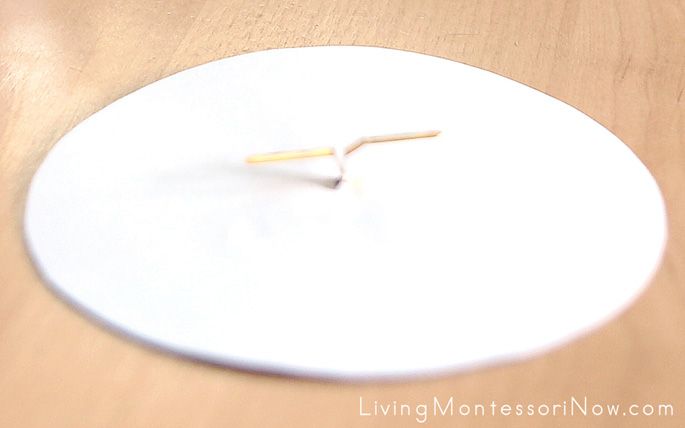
(330, 151)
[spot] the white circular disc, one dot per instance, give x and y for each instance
(520, 227)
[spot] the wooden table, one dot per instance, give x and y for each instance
(623, 63)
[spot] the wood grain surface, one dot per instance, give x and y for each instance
(621, 62)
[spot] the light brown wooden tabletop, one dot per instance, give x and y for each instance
(621, 62)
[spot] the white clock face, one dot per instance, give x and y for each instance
(523, 225)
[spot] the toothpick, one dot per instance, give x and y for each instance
(290, 155)
(389, 138)
(330, 151)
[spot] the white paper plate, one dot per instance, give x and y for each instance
(523, 225)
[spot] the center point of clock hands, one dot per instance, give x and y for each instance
(331, 151)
